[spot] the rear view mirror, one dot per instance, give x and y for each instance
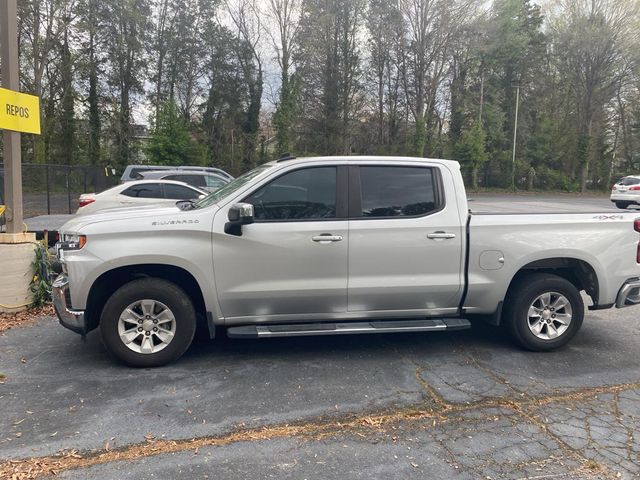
(239, 214)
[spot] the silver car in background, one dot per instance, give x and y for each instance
(203, 180)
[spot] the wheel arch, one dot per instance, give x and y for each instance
(110, 281)
(578, 272)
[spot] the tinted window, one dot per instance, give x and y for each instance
(397, 191)
(144, 190)
(178, 192)
(629, 181)
(302, 194)
(135, 173)
(195, 180)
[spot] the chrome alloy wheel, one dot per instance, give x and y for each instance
(146, 326)
(549, 315)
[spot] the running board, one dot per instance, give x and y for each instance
(378, 326)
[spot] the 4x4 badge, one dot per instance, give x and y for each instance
(608, 217)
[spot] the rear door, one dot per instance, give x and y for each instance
(293, 259)
(405, 240)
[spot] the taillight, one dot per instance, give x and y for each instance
(635, 187)
(85, 201)
(636, 227)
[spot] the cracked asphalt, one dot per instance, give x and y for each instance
(463, 405)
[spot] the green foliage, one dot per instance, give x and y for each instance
(42, 278)
(419, 77)
(285, 115)
(470, 150)
(546, 178)
(171, 143)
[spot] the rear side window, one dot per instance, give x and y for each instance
(626, 181)
(179, 192)
(144, 190)
(304, 194)
(397, 191)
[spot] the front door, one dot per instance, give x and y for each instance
(293, 260)
(405, 241)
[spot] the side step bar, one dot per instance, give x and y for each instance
(378, 326)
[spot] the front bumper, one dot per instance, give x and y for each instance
(629, 294)
(71, 319)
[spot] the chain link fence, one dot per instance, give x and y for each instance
(49, 189)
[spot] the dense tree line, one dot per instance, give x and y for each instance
(234, 83)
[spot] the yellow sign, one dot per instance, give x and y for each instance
(19, 112)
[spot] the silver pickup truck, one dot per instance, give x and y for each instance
(338, 245)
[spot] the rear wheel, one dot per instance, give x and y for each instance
(148, 322)
(543, 311)
(622, 205)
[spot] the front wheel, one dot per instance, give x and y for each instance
(543, 311)
(148, 322)
(622, 205)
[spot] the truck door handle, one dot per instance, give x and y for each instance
(326, 238)
(441, 235)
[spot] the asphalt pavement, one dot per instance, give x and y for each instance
(463, 405)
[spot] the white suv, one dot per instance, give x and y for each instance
(626, 191)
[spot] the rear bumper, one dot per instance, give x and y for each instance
(625, 197)
(629, 294)
(71, 319)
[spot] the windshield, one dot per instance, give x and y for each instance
(230, 187)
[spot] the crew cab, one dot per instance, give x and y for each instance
(338, 245)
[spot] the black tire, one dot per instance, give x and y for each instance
(521, 297)
(166, 293)
(622, 205)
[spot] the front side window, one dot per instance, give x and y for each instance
(144, 190)
(304, 194)
(397, 191)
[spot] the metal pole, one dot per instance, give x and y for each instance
(515, 133)
(69, 188)
(12, 161)
(46, 172)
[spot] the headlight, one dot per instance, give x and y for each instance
(71, 241)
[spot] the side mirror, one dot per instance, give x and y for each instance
(201, 196)
(239, 214)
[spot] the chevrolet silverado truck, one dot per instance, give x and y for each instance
(338, 245)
